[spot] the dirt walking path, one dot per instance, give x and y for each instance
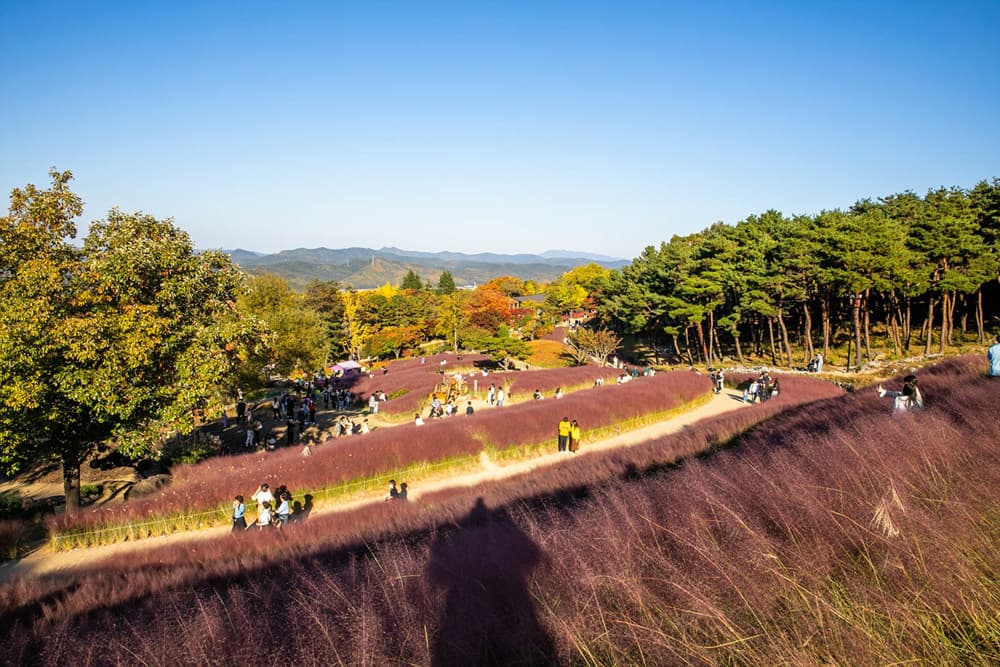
(46, 561)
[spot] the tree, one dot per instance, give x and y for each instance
(453, 317)
(446, 283)
(394, 340)
(299, 335)
(324, 299)
(120, 340)
(597, 344)
(502, 347)
(412, 281)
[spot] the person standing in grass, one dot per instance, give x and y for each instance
(491, 395)
(393, 492)
(239, 514)
(499, 397)
(418, 420)
(469, 409)
(563, 438)
(574, 436)
(402, 492)
(993, 356)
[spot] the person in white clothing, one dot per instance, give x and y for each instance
(263, 495)
(907, 400)
(264, 515)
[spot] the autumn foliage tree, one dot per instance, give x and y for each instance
(119, 340)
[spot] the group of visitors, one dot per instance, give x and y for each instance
(537, 395)
(568, 435)
(764, 387)
(396, 493)
(718, 379)
(274, 509)
(495, 396)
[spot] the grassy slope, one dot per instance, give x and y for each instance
(833, 534)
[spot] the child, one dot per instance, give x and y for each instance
(908, 399)
(264, 516)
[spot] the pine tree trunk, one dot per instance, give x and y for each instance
(807, 334)
(929, 326)
(944, 322)
(677, 347)
(739, 348)
(687, 345)
(784, 339)
(980, 328)
(908, 325)
(856, 318)
(866, 321)
(770, 335)
(825, 320)
(701, 342)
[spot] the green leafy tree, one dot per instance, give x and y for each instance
(412, 281)
(453, 317)
(299, 335)
(119, 340)
(502, 347)
(323, 297)
(446, 283)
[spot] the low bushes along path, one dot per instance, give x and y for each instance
(46, 561)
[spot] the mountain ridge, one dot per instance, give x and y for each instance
(364, 268)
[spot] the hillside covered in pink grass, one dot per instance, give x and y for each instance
(828, 530)
(213, 483)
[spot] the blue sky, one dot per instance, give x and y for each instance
(493, 126)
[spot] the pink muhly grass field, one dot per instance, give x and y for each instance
(213, 483)
(770, 551)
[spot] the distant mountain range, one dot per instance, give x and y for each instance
(365, 267)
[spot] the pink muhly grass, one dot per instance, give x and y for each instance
(762, 552)
(213, 483)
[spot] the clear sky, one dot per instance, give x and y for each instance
(498, 126)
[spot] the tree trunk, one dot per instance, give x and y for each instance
(807, 334)
(929, 325)
(945, 298)
(856, 317)
(739, 348)
(687, 345)
(770, 334)
(980, 327)
(784, 338)
(677, 347)
(908, 325)
(867, 327)
(71, 484)
(825, 319)
(701, 341)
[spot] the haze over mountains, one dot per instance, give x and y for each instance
(365, 268)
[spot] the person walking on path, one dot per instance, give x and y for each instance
(908, 399)
(564, 430)
(993, 356)
(499, 397)
(574, 436)
(239, 514)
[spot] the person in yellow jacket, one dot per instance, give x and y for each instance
(574, 436)
(564, 429)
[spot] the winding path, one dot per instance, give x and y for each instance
(45, 561)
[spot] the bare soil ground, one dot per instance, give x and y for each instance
(45, 561)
